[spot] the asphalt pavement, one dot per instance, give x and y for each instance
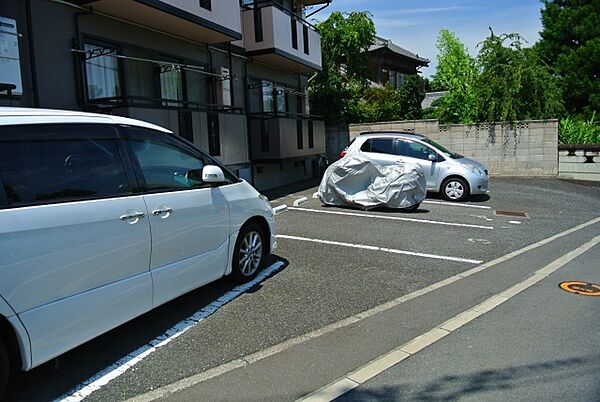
(348, 286)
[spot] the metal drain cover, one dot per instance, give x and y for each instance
(581, 288)
(510, 213)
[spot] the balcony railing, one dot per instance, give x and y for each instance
(283, 138)
(206, 22)
(274, 35)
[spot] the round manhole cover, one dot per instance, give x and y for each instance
(581, 288)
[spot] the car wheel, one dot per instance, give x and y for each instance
(455, 189)
(4, 369)
(249, 252)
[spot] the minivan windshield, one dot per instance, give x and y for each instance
(451, 154)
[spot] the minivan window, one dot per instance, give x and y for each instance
(378, 145)
(451, 154)
(414, 150)
(57, 163)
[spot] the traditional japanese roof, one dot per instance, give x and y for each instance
(381, 43)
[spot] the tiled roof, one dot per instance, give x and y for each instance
(431, 97)
(381, 43)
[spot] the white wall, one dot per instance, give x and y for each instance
(224, 12)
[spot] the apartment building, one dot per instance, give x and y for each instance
(229, 75)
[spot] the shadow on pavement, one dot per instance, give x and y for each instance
(475, 385)
(59, 376)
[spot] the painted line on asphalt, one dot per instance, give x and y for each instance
(382, 249)
(379, 365)
(392, 218)
(196, 379)
(102, 378)
(457, 204)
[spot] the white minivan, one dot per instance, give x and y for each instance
(103, 218)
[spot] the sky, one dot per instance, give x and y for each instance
(414, 24)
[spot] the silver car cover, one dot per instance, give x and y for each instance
(360, 182)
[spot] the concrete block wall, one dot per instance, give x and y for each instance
(579, 163)
(524, 148)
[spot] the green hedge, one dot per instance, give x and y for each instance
(576, 130)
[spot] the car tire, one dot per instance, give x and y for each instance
(454, 189)
(4, 369)
(248, 253)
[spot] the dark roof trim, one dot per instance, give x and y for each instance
(285, 54)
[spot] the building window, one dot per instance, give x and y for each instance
(101, 72)
(214, 136)
(305, 37)
(294, 33)
(311, 134)
(267, 97)
(299, 134)
(282, 101)
(10, 65)
(206, 4)
(258, 25)
(171, 84)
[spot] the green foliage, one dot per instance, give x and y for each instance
(345, 40)
(570, 43)
(386, 103)
(575, 130)
(514, 83)
(456, 72)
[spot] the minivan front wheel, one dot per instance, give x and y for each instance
(248, 253)
(4, 369)
(455, 189)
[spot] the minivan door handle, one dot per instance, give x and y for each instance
(134, 215)
(161, 211)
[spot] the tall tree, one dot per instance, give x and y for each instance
(570, 42)
(456, 73)
(345, 41)
(514, 83)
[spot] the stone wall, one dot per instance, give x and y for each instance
(579, 162)
(524, 148)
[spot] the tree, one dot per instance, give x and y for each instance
(514, 83)
(570, 43)
(456, 73)
(345, 41)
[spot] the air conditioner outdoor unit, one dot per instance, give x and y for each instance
(224, 86)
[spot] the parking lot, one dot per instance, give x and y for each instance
(332, 263)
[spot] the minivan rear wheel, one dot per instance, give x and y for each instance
(455, 189)
(249, 252)
(4, 369)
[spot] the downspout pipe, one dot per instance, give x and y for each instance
(30, 45)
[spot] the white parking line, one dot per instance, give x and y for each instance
(99, 380)
(383, 363)
(383, 249)
(196, 379)
(392, 218)
(456, 204)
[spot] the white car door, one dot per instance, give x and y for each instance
(189, 220)
(412, 151)
(74, 238)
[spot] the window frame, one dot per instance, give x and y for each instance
(134, 187)
(94, 41)
(178, 142)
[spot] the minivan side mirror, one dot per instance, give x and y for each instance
(433, 157)
(213, 174)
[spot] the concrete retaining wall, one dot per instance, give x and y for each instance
(579, 162)
(524, 148)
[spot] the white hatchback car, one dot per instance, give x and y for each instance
(448, 173)
(104, 218)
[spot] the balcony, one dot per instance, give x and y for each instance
(274, 139)
(210, 21)
(275, 36)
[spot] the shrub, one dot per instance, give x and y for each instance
(575, 130)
